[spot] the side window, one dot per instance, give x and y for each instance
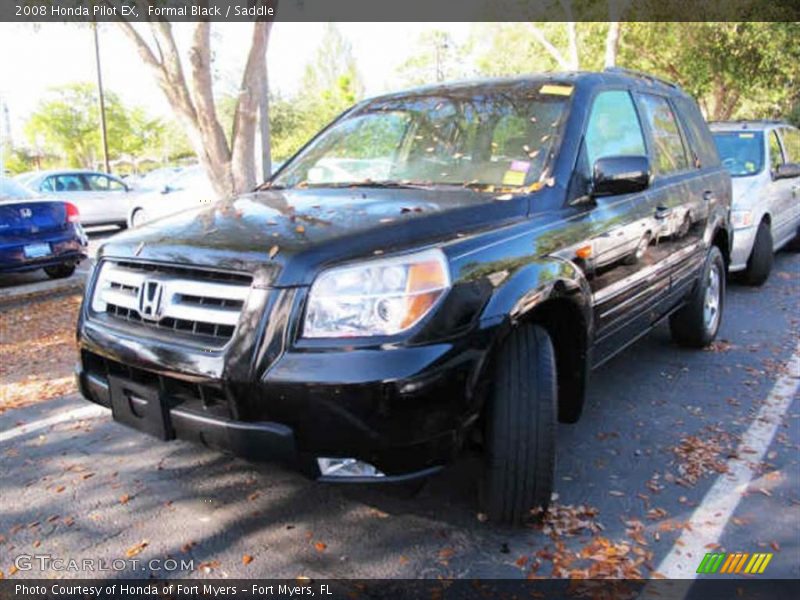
(68, 183)
(669, 152)
(775, 153)
(701, 141)
(613, 128)
(791, 144)
(48, 185)
(101, 183)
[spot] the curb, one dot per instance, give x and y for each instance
(41, 288)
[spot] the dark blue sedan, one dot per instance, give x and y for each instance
(38, 234)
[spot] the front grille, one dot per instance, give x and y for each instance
(202, 398)
(202, 307)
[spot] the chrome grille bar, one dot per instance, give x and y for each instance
(189, 302)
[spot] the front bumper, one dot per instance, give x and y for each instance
(743, 240)
(403, 410)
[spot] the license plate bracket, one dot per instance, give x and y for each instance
(37, 250)
(140, 406)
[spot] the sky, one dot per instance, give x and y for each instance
(34, 59)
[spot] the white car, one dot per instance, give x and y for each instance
(102, 199)
(763, 158)
(191, 188)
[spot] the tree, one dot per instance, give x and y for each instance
(188, 87)
(331, 82)
(438, 58)
(66, 124)
(734, 69)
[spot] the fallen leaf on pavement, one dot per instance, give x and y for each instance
(136, 548)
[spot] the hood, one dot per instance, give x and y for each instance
(745, 191)
(284, 237)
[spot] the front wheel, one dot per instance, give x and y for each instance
(521, 427)
(697, 323)
(59, 271)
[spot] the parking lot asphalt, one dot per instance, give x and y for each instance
(678, 453)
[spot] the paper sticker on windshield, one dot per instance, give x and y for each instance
(520, 165)
(556, 90)
(513, 178)
(747, 136)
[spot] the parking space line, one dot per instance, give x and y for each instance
(710, 517)
(85, 412)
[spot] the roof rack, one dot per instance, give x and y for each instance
(640, 74)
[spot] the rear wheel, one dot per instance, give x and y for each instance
(521, 428)
(759, 264)
(641, 249)
(138, 218)
(696, 324)
(59, 271)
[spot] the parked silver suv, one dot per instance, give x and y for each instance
(763, 158)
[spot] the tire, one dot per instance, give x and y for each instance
(520, 452)
(641, 250)
(759, 264)
(698, 322)
(138, 218)
(59, 271)
(794, 243)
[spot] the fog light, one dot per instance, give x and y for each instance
(347, 467)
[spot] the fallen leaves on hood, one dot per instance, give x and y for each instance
(247, 559)
(274, 251)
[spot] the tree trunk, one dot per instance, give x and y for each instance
(230, 168)
(612, 44)
(266, 136)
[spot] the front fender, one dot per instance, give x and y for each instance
(537, 282)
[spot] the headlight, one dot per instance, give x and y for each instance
(377, 297)
(741, 219)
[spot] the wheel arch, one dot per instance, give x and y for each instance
(554, 294)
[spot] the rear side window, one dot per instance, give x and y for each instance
(700, 140)
(614, 128)
(668, 151)
(775, 152)
(101, 183)
(791, 144)
(64, 183)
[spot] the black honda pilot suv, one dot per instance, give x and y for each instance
(437, 267)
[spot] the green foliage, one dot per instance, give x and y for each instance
(67, 123)
(735, 70)
(331, 84)
(437, 58)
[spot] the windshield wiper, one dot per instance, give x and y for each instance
(374, 184)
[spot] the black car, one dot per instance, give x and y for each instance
(437, 267)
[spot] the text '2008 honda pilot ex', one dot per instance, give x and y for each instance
(437, 266)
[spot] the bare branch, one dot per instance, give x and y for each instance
(547, 45)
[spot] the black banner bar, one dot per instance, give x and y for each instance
(398, 11)
(438, 589)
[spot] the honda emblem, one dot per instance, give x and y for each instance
(25, 213)
(151, 297)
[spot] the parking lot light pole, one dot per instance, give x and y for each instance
(103, 128)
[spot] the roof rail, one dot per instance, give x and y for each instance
(640, 74)
(761, 121)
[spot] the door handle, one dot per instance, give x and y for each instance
(662, 212)
(708, 195)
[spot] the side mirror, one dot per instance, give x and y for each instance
(615, 175)
(787, 171)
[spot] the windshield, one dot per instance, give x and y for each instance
(496, 138)
(741, 152)
(11, 190)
